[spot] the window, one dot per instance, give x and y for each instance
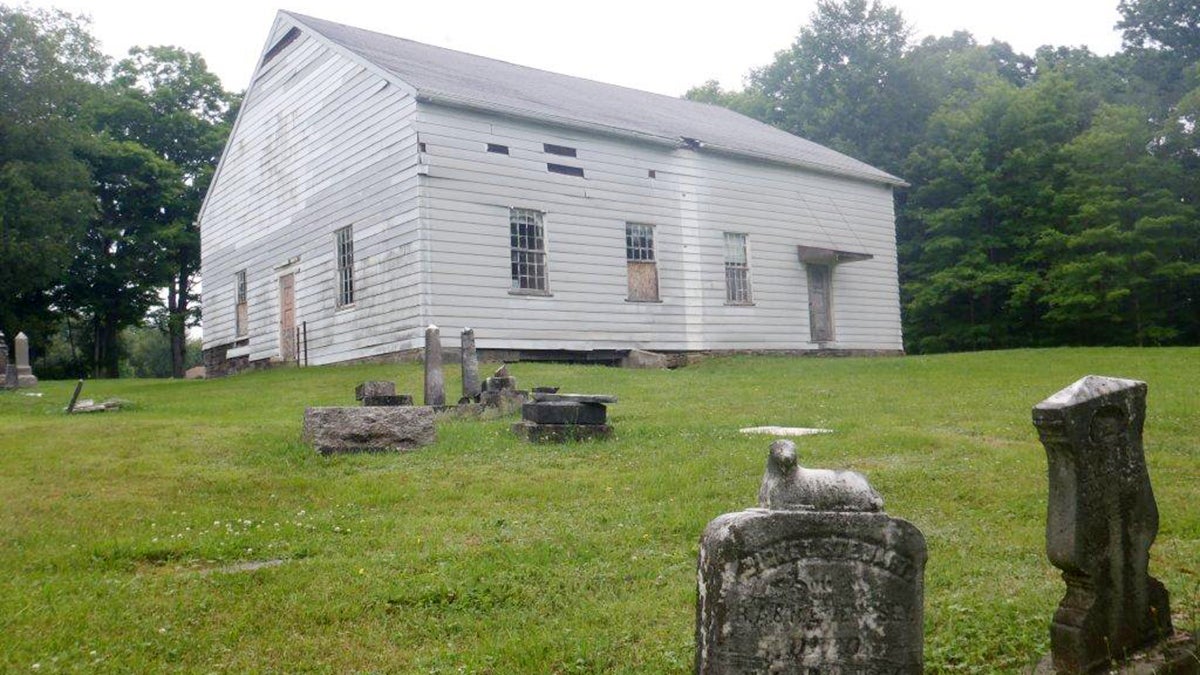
(345, 265)
(564, 169)
(737, 270)
(639, 261)
(498, 149)
(558, 150)
(241, 318)
(528, 253)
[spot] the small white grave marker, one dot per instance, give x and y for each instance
(785, 431)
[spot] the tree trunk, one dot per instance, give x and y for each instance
(107, 349)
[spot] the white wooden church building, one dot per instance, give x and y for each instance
(373, 185)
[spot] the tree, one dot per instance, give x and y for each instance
(165, 99)
(49, 69)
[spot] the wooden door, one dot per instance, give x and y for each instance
(287, 317)
(820, 318)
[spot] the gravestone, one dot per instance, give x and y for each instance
(787, 588)
(435, 384)
(4, 363)
(1101, 521)
(470, 367)
(558, 418)
(25, 376)
(397, 399)
(374, 388)
(368, 429)
(500, 391)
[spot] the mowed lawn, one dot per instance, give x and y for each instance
(123, 535)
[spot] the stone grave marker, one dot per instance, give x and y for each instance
(368, 429)
(1101, 521)
(816, 580)
(500, 391)
(435, 384)
(4, 363)
(380, 393)
(558, 418)
(470, 367)
(25, 376)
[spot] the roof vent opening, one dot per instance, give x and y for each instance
(565, 170)
(558, 150)
(287, 39)
(691, 143)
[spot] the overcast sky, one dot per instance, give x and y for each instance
(666, 47)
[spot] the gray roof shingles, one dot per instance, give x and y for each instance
(447, 76)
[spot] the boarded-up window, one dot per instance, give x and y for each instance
(345, 265)
(640, 263)
(527, 251)
(737, 270)
(242, 315)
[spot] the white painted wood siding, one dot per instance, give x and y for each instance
(694, 198)
(322, 142)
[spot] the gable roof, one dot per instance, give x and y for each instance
(449, 77)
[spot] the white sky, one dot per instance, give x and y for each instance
(665, 46)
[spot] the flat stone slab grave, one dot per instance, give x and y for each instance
(558, 418)
(785, 431)
(369, 428)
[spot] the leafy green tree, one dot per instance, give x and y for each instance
(165, 99)
(48, 70)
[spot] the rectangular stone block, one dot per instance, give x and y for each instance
(564, 412)
(402, 399)
(368, 429)
(574, 398)
(560, 433)
(374, 388)
(810, 592)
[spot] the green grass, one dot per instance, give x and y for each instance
(482, 554)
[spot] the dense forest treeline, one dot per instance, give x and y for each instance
(1053, 196)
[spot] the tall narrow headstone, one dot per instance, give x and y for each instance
(4, 362)
(470, 366)
(817, 580)
(435, 384)
(1101, 520)
(25, 376)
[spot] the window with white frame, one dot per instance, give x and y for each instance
(241, 313)
(345, 265)
(737, 269)
(641, 267)
(527, 239)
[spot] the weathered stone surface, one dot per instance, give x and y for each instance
(499, 383)
(576, 398)
(785, 431)
(435, 384)
(25, 376)
(810, 593)
(368, 429)
(3, 361)
(504, 400)
(374, 388)
(787, 486)
(639, 358)
(1177, 655)
(383, 400)
(195, 373)
(560, 433)
(470, 366)
(1101, 522)
(564, 412)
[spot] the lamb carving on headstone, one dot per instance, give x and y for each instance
(787, 486)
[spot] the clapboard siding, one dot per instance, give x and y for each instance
(694, 198)
(321, 142)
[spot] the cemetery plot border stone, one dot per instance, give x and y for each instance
(369, 429)
(794, 589)
(1101, 520)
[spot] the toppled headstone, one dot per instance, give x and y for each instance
(470, 367)
(87, 405)
(1101, 521)
(369, 428)
(25, 376)
(557, 418)
(785, 431)
(374, 388)
(435, 384)
(797, 587)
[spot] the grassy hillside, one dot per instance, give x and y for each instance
(121, 533)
